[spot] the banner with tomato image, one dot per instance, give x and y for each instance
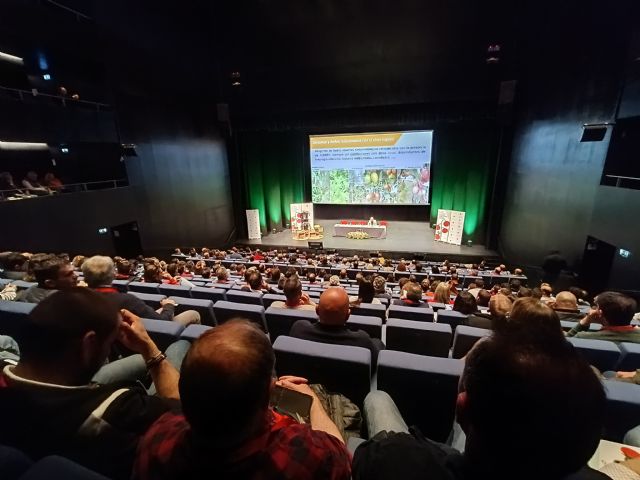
(449, 226)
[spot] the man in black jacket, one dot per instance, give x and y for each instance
(333, 312)
(99, 273)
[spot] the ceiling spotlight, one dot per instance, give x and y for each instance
(493, 53)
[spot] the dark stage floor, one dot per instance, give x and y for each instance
(402, 237)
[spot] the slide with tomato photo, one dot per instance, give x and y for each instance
(371, 168)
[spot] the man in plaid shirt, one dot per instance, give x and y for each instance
(228, 429)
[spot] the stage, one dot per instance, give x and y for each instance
(403, 238)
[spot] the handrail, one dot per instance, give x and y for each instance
(21, 93)
(114, 183)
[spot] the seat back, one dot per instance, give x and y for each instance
(623, 409)
(280, 320)
(269, 298)
(451, 318)
(370, 310)
(339, 368)
(465, 338)
(418, 314)
(421, 338)
(121, 285)
(151, 299)
(175, 290)
(203, 307)
(437, 306)
(194, 331)
(239, 296)
(602, 354)
(226, 310)
(629, 357)
(13, 316)
(162, 332)
(144, 287)
(371, 325)
(213, 294)
(424, 389)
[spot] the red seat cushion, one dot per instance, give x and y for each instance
(343, 222)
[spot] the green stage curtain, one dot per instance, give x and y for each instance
(273, 172)
(462, 168)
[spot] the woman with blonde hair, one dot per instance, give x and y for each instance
(442, 293)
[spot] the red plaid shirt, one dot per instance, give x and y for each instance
(286, 450)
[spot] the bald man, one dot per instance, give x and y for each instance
(333, 312)
(566, 306)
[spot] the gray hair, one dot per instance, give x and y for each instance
(98, 271)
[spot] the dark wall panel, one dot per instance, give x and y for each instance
(67, 222)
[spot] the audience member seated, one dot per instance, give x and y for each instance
(14, 266)
(99, 273)
(465, 303)
(33, 186)
(499, 308)
(52, 182)
(547, 293)
(295, 298)
(525, 292)
(502, 379)
(228, 429)
(333, 313)
(222, 275)
(52, 274)
(566, 306)
(255, 283)
(366, 293)
(380, 288)
(50, 406)
(442, 293)
(581, 295)
(615, 312)
(411, 296)
(8, 187)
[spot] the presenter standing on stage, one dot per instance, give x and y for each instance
(372, 222)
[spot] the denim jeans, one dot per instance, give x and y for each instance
(133, 368)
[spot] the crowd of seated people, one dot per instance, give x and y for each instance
(206, 410)
(30, 186)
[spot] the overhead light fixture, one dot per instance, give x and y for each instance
(23, 146)
(235, 79)
(46, 76)
(11, 58)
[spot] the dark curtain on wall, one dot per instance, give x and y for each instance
(462, 171)
(274, 166)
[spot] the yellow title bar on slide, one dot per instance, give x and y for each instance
(350, 141)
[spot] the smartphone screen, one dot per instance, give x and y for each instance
(292, 403)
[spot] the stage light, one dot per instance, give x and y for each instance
(102, 231)
(64, 149)
(11, 58)
(23, 146)
(46, 76)
(624, 253)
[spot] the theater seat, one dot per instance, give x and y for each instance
(162, 332)
(239, 296)
(213, 294)
(269, 298)
(144, 287)
(175, 290)
(451, 318)
(424, 389)
(629, 357)
(465, 338)
(437, 306)
(226, 310)
(370, 310)
(421, 338)
(13, 316)
(203, 307)
(371, 325)
(602, 354)
(121, 285)
(280, 320)
(151, 299)
(418, 314)
(339, 368)
(194, 331)
(623, 409)
(22, 285)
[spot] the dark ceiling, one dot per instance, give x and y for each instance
(311, 54)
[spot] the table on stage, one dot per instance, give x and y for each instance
(374, 231)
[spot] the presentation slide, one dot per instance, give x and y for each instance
(371, 168)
